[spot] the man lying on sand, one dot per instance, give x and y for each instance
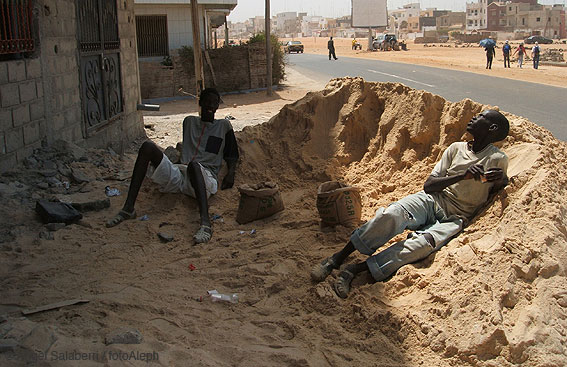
(206, 142)
(461, 183)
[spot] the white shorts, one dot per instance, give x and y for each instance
(172, 178)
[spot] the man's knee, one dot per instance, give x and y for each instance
(194, 170)
(148, 148)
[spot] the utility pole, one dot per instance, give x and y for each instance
(268, 50)
(225, 32)
(197, 56)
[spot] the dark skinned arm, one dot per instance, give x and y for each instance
(437, 184)
(494, 175)
(231, 156)
(228, 180)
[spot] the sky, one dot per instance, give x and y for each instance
(336, 8)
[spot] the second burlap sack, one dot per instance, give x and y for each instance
(258, 201)
(338, 203)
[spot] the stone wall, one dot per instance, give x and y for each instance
(40, 96)
(22, 110)
(235, 68)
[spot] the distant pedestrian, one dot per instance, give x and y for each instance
(535, 55)
(354, 43)
(331, 47)
(506, 52)
(521, 50)
(490, 53)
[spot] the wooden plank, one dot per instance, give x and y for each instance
(53, 306)
(208, 58)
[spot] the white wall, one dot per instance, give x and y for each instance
(179, 26)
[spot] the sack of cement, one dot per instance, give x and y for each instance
(258, 201)
(338, 203)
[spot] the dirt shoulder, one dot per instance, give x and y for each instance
(470, 58)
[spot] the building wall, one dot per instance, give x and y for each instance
(476, 15)
(495, 17)
(40, 96)
(451, 19)
(247, 71)
(179, 28)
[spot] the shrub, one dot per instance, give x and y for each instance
(278, 64)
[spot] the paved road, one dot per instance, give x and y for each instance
(542, 104)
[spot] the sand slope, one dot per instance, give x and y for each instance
(494, 296)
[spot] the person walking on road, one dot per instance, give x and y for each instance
(506, 52)
(535, 55)
(331, 47)
(490, 53)
(521, 50)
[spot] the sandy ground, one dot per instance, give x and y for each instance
(494, 296)
(466, 57)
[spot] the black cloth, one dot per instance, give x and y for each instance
(490, 53)
(331, 47)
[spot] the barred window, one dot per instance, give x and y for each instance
(16, 33)
(151, 34)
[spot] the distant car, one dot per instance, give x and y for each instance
(385, 42)
(538, 39)
(293, 46)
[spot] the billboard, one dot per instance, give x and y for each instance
(369, 13)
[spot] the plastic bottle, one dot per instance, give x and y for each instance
(218, 297)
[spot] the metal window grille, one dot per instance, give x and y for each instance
(16, 34)
(151, 33)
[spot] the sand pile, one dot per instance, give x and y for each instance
(494, 296)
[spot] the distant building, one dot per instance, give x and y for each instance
(258, 24)
(476, 15)
(546, 20)
(452, 20)
(312, 25)
(287, 23)
(164, 25)
(405, 19)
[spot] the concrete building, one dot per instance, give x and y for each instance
(476, 15)
(312, 25)
(66, 73)
(521, 19)
(258, 24)
(405, 20)
(287, 23)
(545, 20)
(452, 20)
(165, 25)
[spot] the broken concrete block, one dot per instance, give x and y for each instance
(79, 176)
(165, 237)
(69, 148)
(93, 205)
(46, 235)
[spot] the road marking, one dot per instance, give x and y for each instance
(399, 77)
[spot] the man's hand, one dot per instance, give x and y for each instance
(474, 171)
(494, 174)
(228, 181)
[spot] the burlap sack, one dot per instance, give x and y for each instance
(338, 203)
(258, 201)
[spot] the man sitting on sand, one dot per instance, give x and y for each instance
(458, 186)
(206, 142)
